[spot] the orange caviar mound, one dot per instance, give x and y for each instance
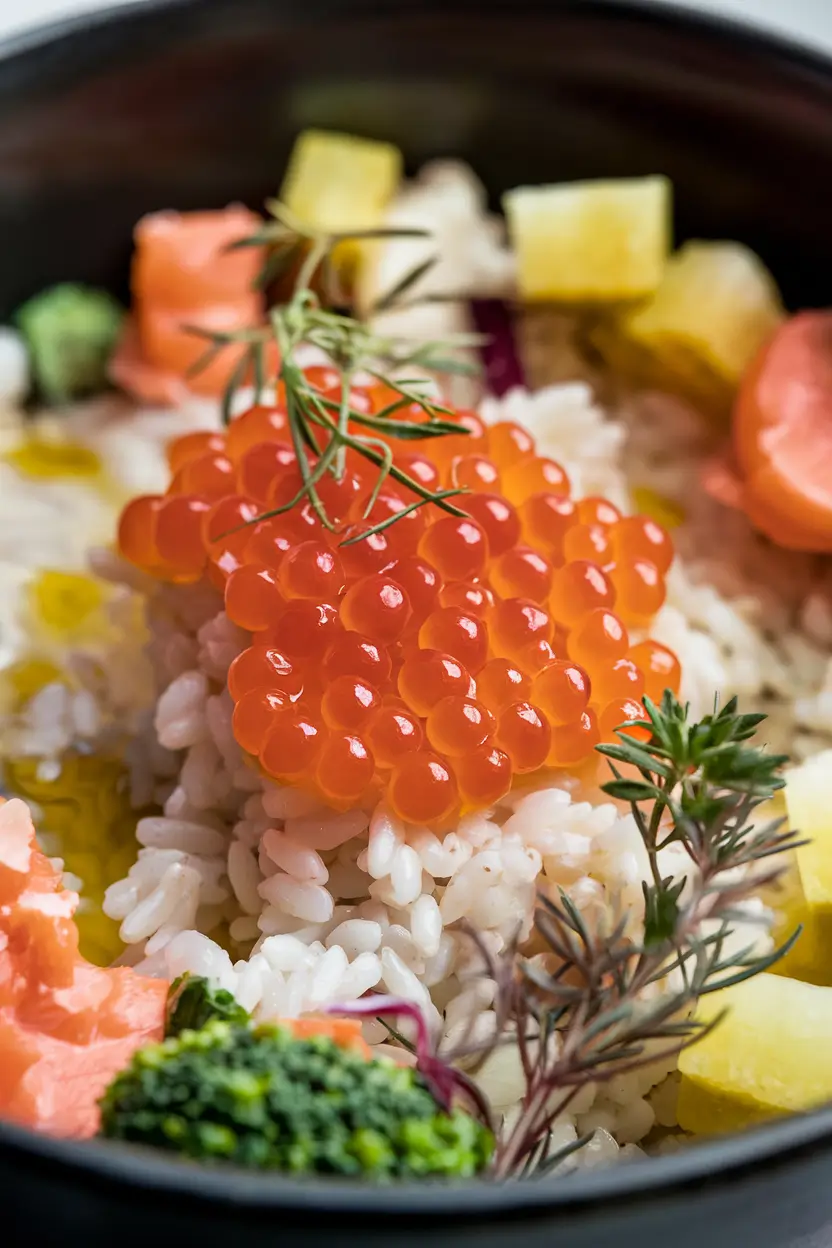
(432, 662)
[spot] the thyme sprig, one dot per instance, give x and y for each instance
(601, 1002)
(323, 429)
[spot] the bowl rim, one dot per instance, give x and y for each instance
(713, 1165)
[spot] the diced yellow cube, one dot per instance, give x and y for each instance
(339, 182)
(716, 306)
(771, 1055)
(809, 801)
(590, 242)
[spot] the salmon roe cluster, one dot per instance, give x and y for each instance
(432, 662)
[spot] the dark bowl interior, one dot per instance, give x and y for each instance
(196, 102)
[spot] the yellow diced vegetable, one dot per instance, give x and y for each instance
(716, 306)
(809, 801)
(590, 242)
(771, 1055)
(340, 182)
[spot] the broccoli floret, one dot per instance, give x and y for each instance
(193, 1002)
(259, 1097)
(70, 331)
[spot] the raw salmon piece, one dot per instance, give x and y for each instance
(182, 258)
(343, 1031)
(66, 1027)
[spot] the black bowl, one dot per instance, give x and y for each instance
(193, 103)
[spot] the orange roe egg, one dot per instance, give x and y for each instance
(500, 683)
(252, 597)
(615, 680)
(227, 526)
(498, 520)
(456, 632)
(483, 776)
(392, 732)
(212, 475)
(292, 745)
(617, 713)
(348, 702)
(574, 742)
(525, 734)
(345, 768)
(423, 788)
(406, 530)
(469, 596)
(456, 547)
(458, 725)
(660, 668)
(586, 541)
(449, 447)
(258, 424)
(270, 540)
(351, 654)
(533, 657)
(639, 537)
(593, 510)
(311, 570)
(193, 446)
(255, 715)
(420, 468)
(262, 465)
(476, 473)
(306, 629)
(578, 588)
(600, 637)
(639, 590)
(369, 554)
(547, 518)
(427, 676)
(421, 582)
(534, 476)
(323, 377)
(562, 690)
(509, 443)
(339, 495)
(261, 667)
(137, 530)
(376, 606)
(517, 623)
(521, 573)
(179, 532)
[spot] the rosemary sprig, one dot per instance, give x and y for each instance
(601, 1002)
(323, 430)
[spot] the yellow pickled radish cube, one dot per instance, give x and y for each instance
(716, 306)
(590, 242)
(809, 802)
(771, 1055)
(63, 602)
(805, 960)
(340, 182)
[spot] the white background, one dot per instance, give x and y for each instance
(807, 20)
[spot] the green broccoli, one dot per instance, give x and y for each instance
(261, 1098)
(193, 1002)
(70, 331)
